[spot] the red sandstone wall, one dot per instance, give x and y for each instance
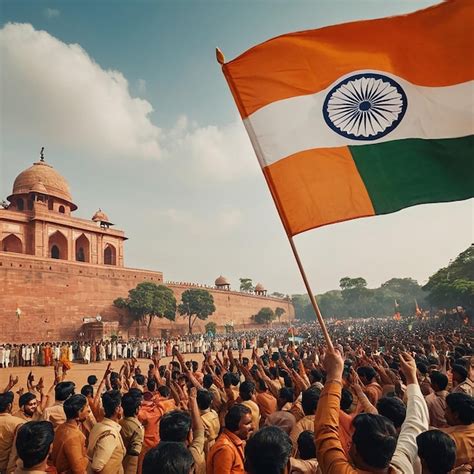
(54, 296)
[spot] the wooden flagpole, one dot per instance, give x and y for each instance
(221, 60)
(312, 298)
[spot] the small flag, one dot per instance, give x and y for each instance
(397, 316)
(418, 312)
(346, 125)
(18, 313)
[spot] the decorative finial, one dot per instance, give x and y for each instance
(220, 56)
(42, 154)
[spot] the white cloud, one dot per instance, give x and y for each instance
(51, 13)
(229, 219)
(219, 153)
(54, 93)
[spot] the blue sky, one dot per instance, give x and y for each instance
(182, 180)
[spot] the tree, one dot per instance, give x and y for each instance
(453, 285)
(196, 304)
(356, 296)
(148, 300)
(279, 312)
(300, 302)
(276, 294)
(211, 327)
(264, 316)
(246, 285)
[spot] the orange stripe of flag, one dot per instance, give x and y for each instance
(413, 46)
(317, 187)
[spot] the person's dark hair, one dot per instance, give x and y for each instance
(315, 376)
(463, 405)
(136, 392)
(204, 399)
(437, 450)
(439, 379)
(5, 400)
(168, 458)
(366, 371)
(92, 380)
(194, 365)
(130, 404)
(140, 379)
(346, 399)
(246, 390)
(306, 445)
(151, 385)
(33, 441)
(375, 438)
(111, 401)
(267, 451)
(234, 379)
(461, 370)
(287, 394)
(73, 405)
(423, 368)
(207, 381)
(393, 409)
(175, 426)
(164, 390)
(309, 400)
(26, 398)
(234, 415)
(87, 390)
(64, 390)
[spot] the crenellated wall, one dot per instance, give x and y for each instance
(55, 295)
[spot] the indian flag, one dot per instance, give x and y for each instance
(363, 118)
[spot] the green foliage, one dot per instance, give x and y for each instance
(264, 316)
(196, 304)
(356, 300)
(148, 300)
(211, 327)
(453, 285)
(246, 284)
(279, 312)
(276, 294)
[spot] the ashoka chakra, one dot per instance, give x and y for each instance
(365, 106)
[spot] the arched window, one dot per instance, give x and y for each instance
(61, 209)
(58, 246)
(109, 255)
(50, 204)
(12, 243)
(55, 252)
(30, 204)
(82, 249)
(20, 204)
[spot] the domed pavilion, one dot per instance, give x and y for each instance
(38, 221)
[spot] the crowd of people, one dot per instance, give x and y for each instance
(46, 353)
(388, 397)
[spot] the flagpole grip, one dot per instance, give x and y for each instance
(312, 298)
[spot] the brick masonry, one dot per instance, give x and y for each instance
(55, 295)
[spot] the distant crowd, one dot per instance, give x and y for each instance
(389, 397)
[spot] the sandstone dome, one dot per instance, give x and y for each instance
(42, 176)
(221, 281)
(259, 287)
(100, 216)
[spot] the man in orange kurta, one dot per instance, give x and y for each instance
(227, 454)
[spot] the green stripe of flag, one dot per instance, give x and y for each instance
(404, 173)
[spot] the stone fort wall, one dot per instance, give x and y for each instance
(55, 295)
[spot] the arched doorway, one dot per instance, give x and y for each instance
(110, 255)
(82, 249)
(12, 243)
(58, 247)
(55, 252)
